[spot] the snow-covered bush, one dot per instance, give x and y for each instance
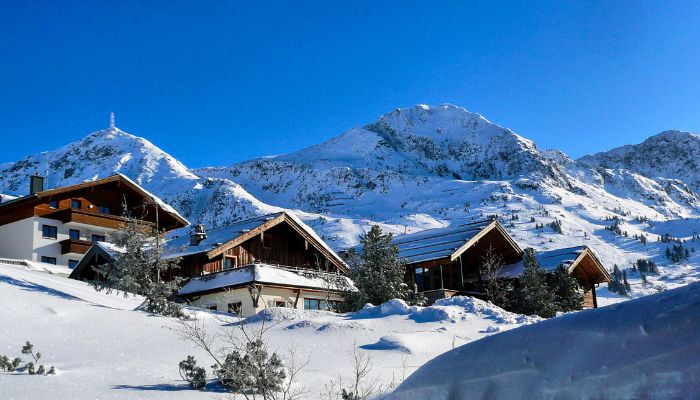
(190, 372)
(30, 367)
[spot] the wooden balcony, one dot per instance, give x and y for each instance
(72, 215)
(75, 246)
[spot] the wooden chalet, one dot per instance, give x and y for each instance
(273, 260)
(444, 262)
(59, 225)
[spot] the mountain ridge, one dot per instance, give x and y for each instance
(412, 169)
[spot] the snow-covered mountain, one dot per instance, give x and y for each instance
(423, 167)
(670, 155)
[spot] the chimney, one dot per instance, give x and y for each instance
(36, 184)
(197, 235)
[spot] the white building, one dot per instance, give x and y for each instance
(57, 226)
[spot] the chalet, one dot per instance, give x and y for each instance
(447, 261)
(59, 225)
(273, 260)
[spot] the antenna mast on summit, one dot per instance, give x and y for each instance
(111, 120)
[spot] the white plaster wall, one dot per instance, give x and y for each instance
(24, 239)
(16, 239)
(268, 298)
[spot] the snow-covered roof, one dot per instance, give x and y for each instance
(433, 244)
(549, 260)
(180, 246)
(266, 274)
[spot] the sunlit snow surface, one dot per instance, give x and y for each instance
(103, 347)
(647, 348)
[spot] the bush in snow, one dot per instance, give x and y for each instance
(9, 366)
(252, 369)
(189, 371)
(30, 367)
(243, 363)
(141, 268)
(378, 273)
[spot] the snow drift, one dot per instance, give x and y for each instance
(644, 348)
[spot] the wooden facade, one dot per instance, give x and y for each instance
(278, 241)
(448, 261)
(97, 203)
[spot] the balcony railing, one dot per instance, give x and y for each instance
(75, 246)
(72, 215)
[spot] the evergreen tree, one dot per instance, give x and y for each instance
(567, 291)
(533, 295)
(617, 284)
(378, 273)
(141, 268)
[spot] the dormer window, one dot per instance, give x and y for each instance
(75, 203)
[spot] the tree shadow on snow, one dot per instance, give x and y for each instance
(211, 387)
(36, 288)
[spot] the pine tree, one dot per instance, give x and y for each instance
(533, 295)
(378, 273)
(141, 268)
(567, 291)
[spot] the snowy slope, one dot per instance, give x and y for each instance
(423, 167)
(103, 348)
(641, 349)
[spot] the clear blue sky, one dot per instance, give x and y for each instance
(218, 82)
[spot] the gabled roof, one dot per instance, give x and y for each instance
(106, 252)
(266, 274)
(221, 239)
(36, 197)
(549, 260)
(449, 242)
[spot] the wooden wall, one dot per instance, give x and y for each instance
(279, 245)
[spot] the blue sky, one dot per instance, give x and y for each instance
(218, 82)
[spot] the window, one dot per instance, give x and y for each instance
(49, 231)
(103, 210)
(210, 307)
(235, 308)
(48, 260)
(277, 303)
(74, 234)
(312, 304)
(97, 238)
(53, 203)
(72, 264)
(318, 304)
(230, 262)
(75, 203)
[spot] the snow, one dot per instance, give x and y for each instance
(262, 273)
(645, 348)
(105, 347)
